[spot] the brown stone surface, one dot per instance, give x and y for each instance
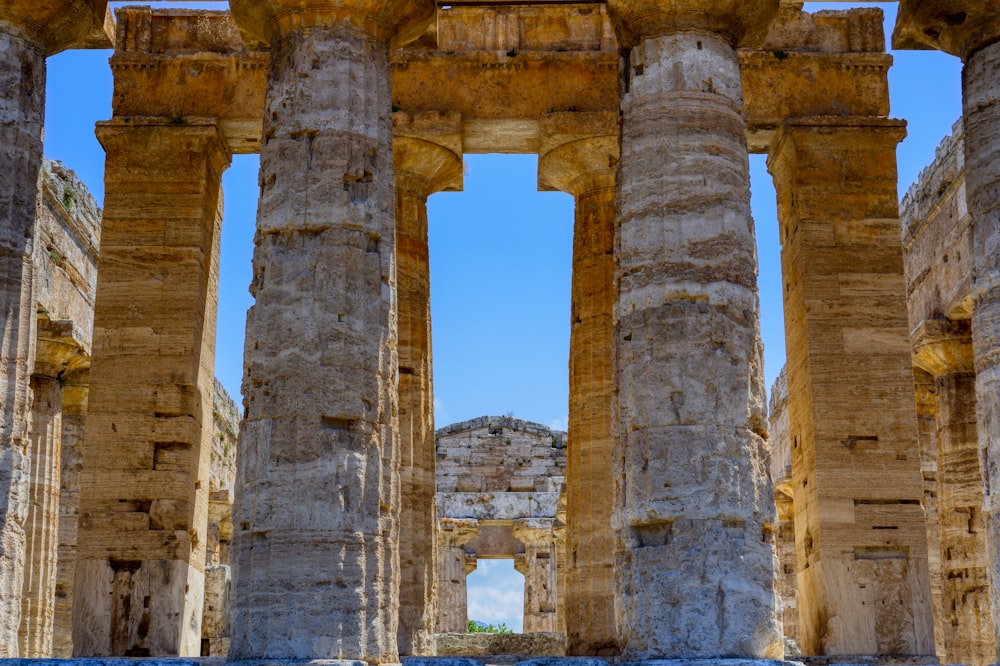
(863, 585)
(422, 167)
(499, 69)
(579, 156)
(690, 463)
(146, 458)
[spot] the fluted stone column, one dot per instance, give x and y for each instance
(539, 567)
(55, 349)
(453, 605)
(579, 156)
(861, 546)
(146, 456)
(74, 415)
(944, 349)
(421, 168)
(971, 31)
(318, 476)
(29, 30)
(925, 393)
(694, 509)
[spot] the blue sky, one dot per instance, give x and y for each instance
(500, 257)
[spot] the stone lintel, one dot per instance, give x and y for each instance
(267, 20)
(178, 64)
(62, 24)
(578, 152)
(497, 506)
(942, 346)
(958, 27)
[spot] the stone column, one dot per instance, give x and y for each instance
(579, 156)
(74, 414)
(926, 400)
(971, 31)
(29, 30)
(944, 349)
(694, 509)
(318, 473)
(861, 547)
(145, 479)
(55, 349)
(421, 168)
(539, 569)
(453, 604)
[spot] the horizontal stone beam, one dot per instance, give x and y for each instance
(497, 506)
(527, 62)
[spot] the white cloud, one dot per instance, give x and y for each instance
(496, 594)
(560, 423)
(440, 414)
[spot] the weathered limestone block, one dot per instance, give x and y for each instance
(539, 569)
(579, 156)
(22, 80)
(145, 479)
(692, 496)
(318, 475)
(861, 547)
(501, 458)
(944, 350)
(971, 31)
(427, 158)
(522, 645)
(926, 399)
(453, 611)
(780, 442)
(57, 353)
(74, 414)
(215, 622)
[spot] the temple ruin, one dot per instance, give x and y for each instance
(120, 506)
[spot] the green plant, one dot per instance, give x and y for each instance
(69, 199)
(481, 628)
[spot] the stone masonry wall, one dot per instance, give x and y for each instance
(498, 454)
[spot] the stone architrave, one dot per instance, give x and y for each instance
(422, 167)
(145, 478)
(29, 31)
(579, 155)
(56, 348)
(971, 31)
(861, 547)
(318, 474)
(539, 567)
(453, 610)
(694, 509)
(944, 349)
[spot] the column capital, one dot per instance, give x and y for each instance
(579, 152)
(458, 532)
(958, 27)
(427, 152)
(398, 20)
(738, 21)
(943, 346)
(537, 532)
(178, 137)
(60, 349)
(58, 25)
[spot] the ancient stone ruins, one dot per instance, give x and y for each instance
(679, 517)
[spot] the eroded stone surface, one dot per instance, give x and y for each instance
(690, 462)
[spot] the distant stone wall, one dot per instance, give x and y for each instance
(780, 442)
(500, 482)
(499, 454)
